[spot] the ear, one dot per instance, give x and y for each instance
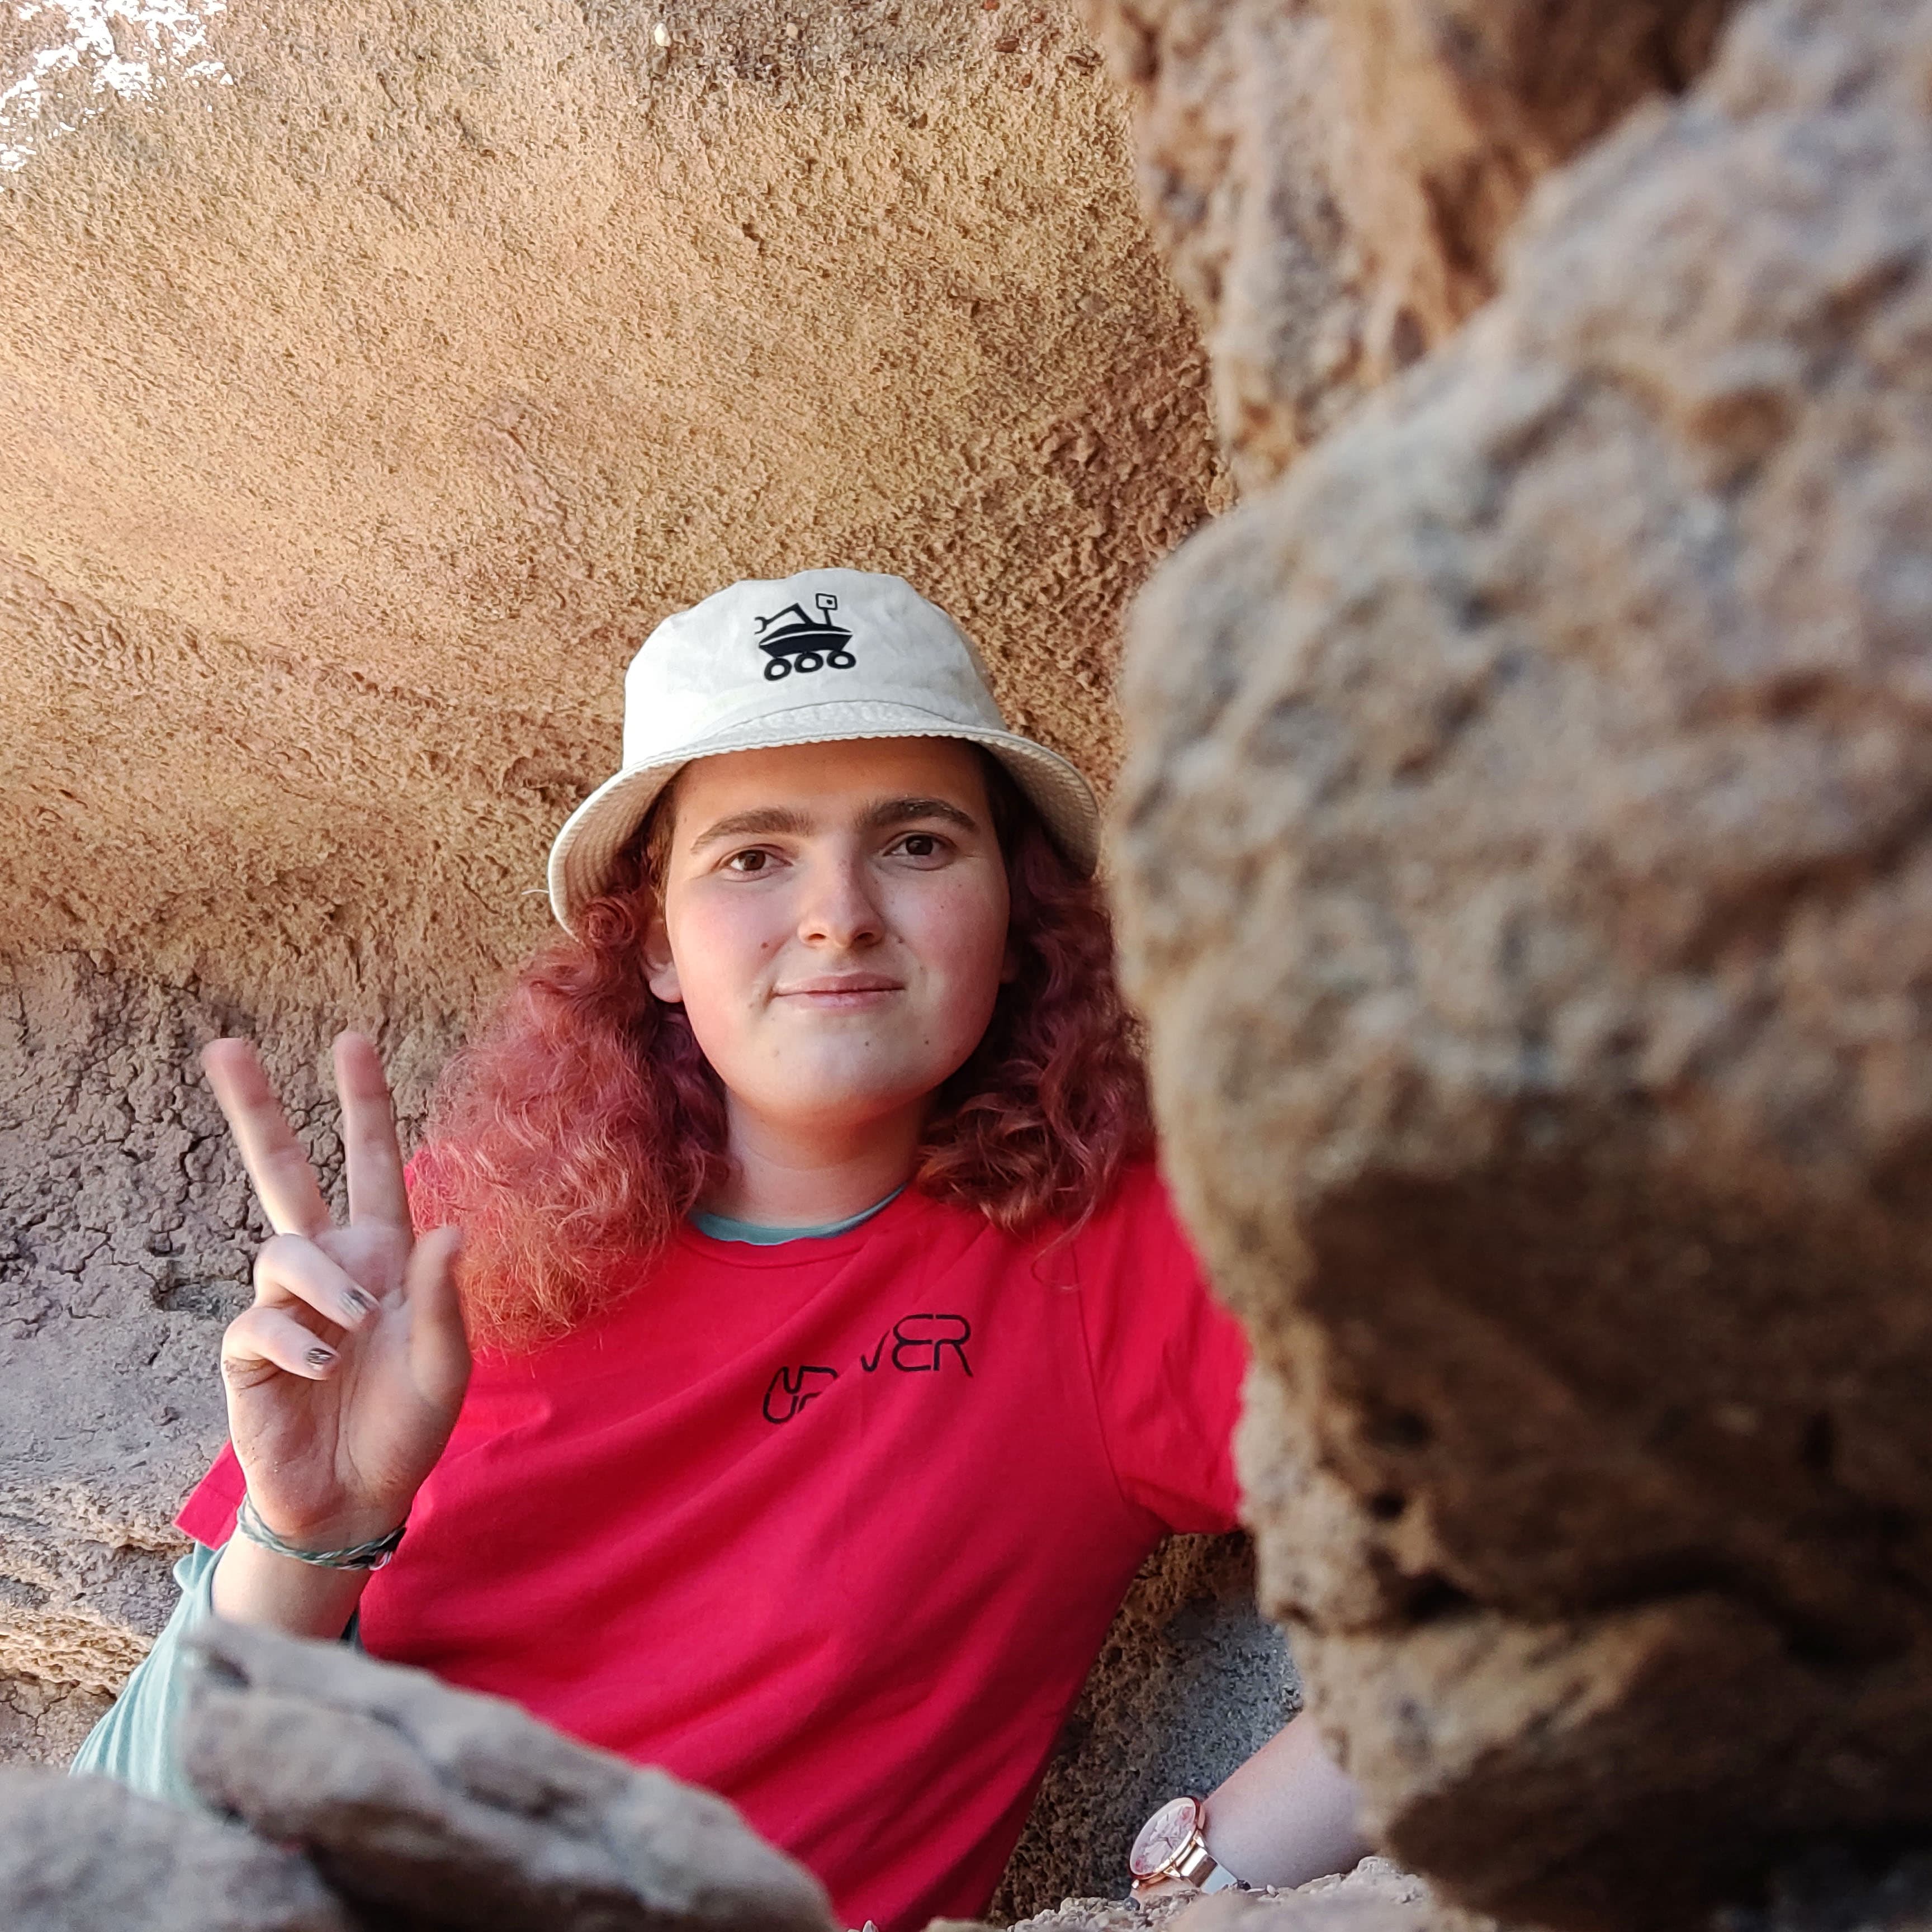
(660, 968)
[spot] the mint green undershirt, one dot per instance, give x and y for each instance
(135, 1741)
(722, 1228)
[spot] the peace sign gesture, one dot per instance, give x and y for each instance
(344, 1378)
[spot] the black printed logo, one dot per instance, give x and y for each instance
(800, 644)
(790, 1389)
(920, 1343)
(915, 1345)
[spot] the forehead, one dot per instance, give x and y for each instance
(822, 778)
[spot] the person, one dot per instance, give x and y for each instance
(826, 1358)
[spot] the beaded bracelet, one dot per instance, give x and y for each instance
(370, 1555)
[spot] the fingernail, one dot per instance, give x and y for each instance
(358, 1304)
(319, 1357)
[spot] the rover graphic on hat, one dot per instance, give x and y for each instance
(801, 644)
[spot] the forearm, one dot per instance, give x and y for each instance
(254, 1586)
(1288, 1815)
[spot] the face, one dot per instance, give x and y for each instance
(833, 920)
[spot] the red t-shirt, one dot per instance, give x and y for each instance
(834, 1528)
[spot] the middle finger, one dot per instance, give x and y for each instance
(371, 1156)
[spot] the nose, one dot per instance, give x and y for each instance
(841, 911)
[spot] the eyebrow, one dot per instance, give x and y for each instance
(897, 811)
(769, 821)
(764, 821)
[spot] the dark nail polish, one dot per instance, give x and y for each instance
(319, 1357)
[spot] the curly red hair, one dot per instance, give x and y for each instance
(585, 1122)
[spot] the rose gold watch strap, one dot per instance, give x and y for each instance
(1196, 1865)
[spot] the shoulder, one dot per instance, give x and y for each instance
(1135, 1232)
(1139, 1201)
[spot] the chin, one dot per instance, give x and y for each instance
(843, 1096)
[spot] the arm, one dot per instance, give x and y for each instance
(250, 1585)
(1288, 1815)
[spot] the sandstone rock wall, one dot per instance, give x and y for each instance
(1525, 840)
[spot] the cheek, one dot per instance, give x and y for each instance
(963, 939)
(720, 944)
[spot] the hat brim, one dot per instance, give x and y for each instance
(586, 849)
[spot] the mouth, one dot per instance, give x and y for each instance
(835, 991)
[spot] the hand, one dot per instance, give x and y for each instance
(344, 1378)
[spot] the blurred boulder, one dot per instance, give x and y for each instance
(1333, 179)
(462, 1810)
(1526, 844)
(85, 1854)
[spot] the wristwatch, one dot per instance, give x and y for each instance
(1171, 1846)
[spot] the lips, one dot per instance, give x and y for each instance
(841, 989)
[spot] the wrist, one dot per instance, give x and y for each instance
(341, 1528)
(1172, 1851)
(364, 1553)
(253, 1586)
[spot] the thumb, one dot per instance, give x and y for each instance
(438, 1343)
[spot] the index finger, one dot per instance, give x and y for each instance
(371, 1155)
(285, 1183)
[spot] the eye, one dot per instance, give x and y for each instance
(921, 845)
(750, 863)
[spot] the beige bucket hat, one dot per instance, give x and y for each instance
(806, 660)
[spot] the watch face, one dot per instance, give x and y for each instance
(1164, 1836)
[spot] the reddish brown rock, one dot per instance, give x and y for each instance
(1333, 179)
(1525, 847)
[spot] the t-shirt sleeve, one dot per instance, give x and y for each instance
(1167, 1360)
(135, 1742)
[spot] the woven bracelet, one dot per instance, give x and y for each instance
(370, 1555)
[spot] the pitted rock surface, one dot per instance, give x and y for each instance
(126, 1232)
(1525, 851)
(464, 1809)
(1376, 1896)
(85, 1854)
(1333, 179)
(1188, 1642)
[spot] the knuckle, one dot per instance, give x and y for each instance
(239, 1340)
(277, 1258)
